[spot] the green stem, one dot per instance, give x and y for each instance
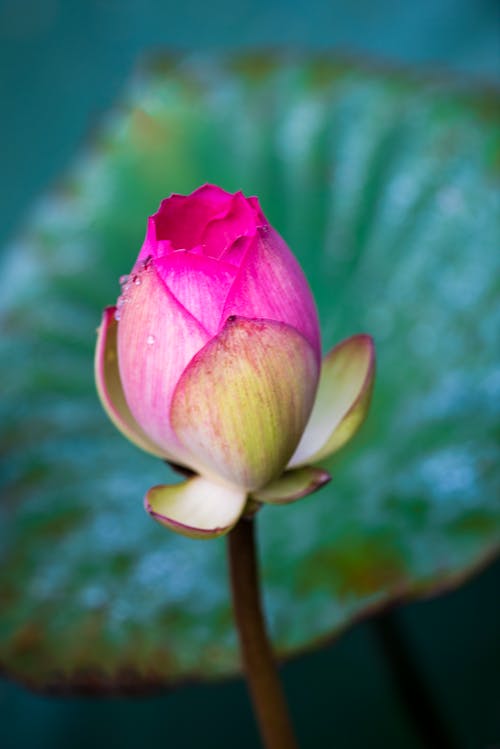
(258, 660)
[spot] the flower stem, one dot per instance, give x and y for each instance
(414, 693)
(258, 660)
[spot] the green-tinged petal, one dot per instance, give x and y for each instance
(342, 400)
(197, 508)
(109, 386)
(244, 400)
(293, 485)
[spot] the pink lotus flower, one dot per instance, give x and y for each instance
(211, 360)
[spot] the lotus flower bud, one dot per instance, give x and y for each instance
(211, 360)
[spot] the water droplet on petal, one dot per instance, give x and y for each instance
(123, 280)
(150, 340)
(137, 280)
(117, 314)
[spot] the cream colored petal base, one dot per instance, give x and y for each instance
(197, 508)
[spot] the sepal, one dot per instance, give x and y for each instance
(293, 485)
(342, 400)
(197, 508)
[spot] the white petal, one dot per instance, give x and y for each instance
(197, 508)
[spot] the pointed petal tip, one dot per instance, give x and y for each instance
(196, 508)
(363, 342)
(107, 317)
(293, 485)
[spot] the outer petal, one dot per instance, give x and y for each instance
(197, 508)
(293, 485)
(109, 386)
(157, 337)
(271, 284)
(342, 401)
(243, 401)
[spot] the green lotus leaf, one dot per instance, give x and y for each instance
(386, 188)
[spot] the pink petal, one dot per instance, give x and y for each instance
(182, 219)
(208, 222)
(259, 216)
(151, 247)
(271, 284)
(243, 401)
(219, 235)
(157, 337)
(200, 283)
(109, 386)
(235, 254)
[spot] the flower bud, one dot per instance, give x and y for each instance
(211, 360)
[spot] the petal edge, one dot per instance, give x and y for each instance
(196, 508)
(109, 386)
(293, 485)
(342, 400)
(156, 337)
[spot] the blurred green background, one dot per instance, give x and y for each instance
(62, 65)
